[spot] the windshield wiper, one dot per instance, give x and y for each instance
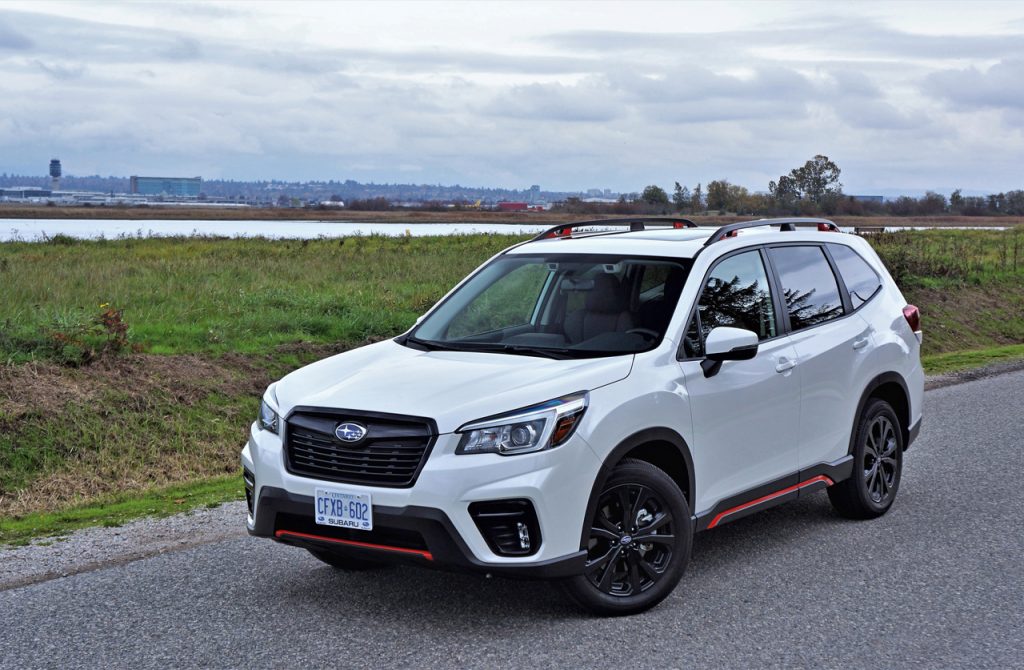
(429, 345)
(489, 347)
(501, 348)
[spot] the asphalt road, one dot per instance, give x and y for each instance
(938, 582)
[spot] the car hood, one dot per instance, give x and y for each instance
(451, 387)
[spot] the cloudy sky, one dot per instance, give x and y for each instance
(566, 95)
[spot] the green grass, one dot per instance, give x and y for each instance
(966, 360)
(215, 295)
(185, 295)
(949, 257)
(119, 509)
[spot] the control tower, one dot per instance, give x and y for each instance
(55, 175)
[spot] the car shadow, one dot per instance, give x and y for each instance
(441, 601)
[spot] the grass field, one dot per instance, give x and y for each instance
(204, 324)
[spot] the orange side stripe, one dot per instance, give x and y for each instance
(752, 503)
(402, 550)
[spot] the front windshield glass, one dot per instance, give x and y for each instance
(558, 305)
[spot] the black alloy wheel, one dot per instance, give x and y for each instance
(877, 465)
(880, 465)
(630, 542)
(638, 543)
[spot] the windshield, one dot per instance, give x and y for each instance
(558, 305)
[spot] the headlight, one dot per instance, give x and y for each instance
(531, 429)
(268, 419)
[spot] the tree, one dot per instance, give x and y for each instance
(697, 199)
(718, 195)
(817, 178)
(785, 192)
(931, 203)
(956, 201)
(681, 198)
(654, 195)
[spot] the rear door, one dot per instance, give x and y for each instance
(831, 343)
(745, 417)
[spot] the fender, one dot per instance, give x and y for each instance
(635, 440)
(886, 377)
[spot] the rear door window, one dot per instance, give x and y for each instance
(809, 287)
(861, 281)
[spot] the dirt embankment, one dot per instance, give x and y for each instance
(121, 424)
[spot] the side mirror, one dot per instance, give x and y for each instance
(727, 344)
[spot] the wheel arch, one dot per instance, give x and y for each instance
(663, 448)
(892, 388)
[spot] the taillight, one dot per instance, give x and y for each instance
(913, 317)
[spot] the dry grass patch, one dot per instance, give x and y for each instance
(129, 423)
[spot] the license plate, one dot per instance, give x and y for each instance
(343, 510)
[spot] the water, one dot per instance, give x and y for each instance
(32, 230)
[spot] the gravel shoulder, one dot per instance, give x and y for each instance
(95, 548)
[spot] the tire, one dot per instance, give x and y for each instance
(877, 465)
(627, 576)
(344, 562)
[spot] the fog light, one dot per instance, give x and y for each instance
(524, 536)
(250, 490)
(509, 526)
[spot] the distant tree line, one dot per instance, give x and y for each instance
(813, 189)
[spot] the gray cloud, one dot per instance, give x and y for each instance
(840, 36)
(13, 40)
(591, 101)
(61, 72)
(1000, 86)
(613, 108)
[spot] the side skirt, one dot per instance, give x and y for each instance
(784, 489)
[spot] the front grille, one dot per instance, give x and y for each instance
(391, 454)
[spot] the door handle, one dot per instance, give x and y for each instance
(861, 343)
(785, 364)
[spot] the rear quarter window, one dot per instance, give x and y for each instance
(861, 280)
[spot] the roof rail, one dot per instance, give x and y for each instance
(564, 230)
(784, 224)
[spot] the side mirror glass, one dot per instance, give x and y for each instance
(727, 344)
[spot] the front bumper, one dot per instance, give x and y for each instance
(414, 535)
(556, 482)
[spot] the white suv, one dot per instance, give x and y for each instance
(583, 403)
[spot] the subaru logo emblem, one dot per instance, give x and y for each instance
(350, 431)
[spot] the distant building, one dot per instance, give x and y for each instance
(534, 195)
(55, 175)
(513, 206)
(25, 192)
(184, 187)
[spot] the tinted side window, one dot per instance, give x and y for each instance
(808, 285)
(861, 281)
(736, 294)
